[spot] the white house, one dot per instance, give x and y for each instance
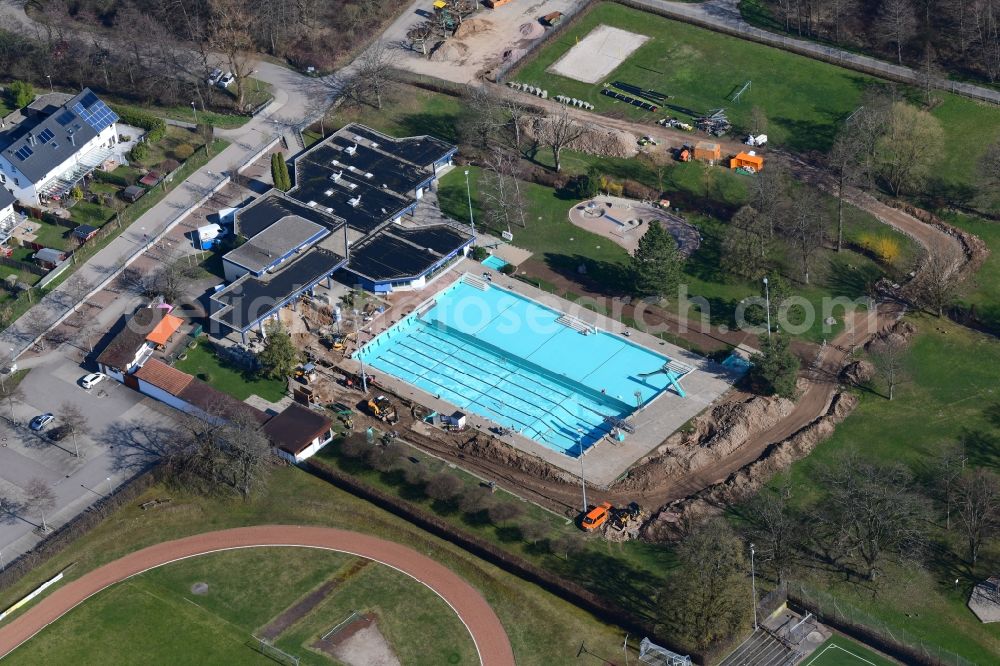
(129, 348)
(45, 155)
(7, 214)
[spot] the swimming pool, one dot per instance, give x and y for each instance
(520, 364)
(494, 262)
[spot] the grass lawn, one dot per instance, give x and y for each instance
(410, 111)
(983, 291)
(204, 364)
(140, 620)
(51, 235)
(85, 212)
(564, 247)
(841, 651)
(702, 69)
(543, 629)
(951, 396)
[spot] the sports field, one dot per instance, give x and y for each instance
(206, 609)
(840, 651)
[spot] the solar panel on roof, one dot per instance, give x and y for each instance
(98, 116)
(24, 152)
(46, 135)
(65, 118)
(89, 99)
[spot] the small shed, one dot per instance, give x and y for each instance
(750, 160)
(150, 179)
(164, 331)
(85, 232)
(132, 193)
(48, 257)
(708, 151)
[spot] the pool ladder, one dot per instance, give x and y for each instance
(475, 281)
(576, 324)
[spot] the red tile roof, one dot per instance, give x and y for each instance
(161, 375)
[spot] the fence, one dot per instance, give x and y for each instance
(22, 266)
(862, 626)
(859, 63)
(571, 15)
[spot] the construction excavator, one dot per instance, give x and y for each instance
(382, 408)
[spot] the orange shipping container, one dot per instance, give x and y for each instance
(756, 162)
(493, 4)
(708, 151)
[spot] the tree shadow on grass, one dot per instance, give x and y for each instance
(844, 279)
(509, 533)
(601, 277)
(806, 135)
(983, 448)
(632, 588)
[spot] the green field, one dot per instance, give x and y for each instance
(804, 99)
(155, 614)
(203, 363)
(840, 651)
(982, 291)
(543, 629)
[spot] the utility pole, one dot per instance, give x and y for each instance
(195, 112)
(767, 301)
(753, 587)
(468, 193)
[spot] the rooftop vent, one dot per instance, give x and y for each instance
(374, 144)
(311, 204)
(355, 202)
(329, 210)
(328, 193)
(336, 176)
(335, 162)
(368, 174)
(350, 150)
(351, 168)
(352, 186)
(358, 139)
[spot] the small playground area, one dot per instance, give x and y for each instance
(840, 651)
(319, 606)
(625, 221)
(598, 54)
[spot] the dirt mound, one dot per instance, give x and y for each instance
(714, 436)
(901, 332)
(473, 26)
(596, 140)
(532, 30)
(450, 50)
(484, 446)
(674, 520)
(857, 373)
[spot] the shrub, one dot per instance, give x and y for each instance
(475, 500)
(183, 151)
(508, 269)
(582, 187)
(504, 511)
(76, 194)
(20, 94)
(354, 447)
(155, 127)
(534, 531)
(139, 152)
(384, 458)
(443, 487)
(479, 253)
(636, 190)
(168, 165)
(111, 178)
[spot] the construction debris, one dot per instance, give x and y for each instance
(715, 123)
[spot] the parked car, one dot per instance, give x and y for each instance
(41, 421)
(92, 380)
(214, 77)
(596, 516)
(226, 80)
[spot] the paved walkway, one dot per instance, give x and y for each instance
(724, 15)
(483, 624)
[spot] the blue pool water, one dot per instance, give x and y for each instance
(494, 262)
(507, 358)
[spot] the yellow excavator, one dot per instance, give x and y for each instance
(381, 407)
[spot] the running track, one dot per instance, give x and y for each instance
(487, 632)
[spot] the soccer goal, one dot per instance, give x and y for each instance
(653, 655)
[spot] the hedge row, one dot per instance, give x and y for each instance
(155, 127)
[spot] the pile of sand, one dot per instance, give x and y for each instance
(532, 30)
(594, 141)
(472, 26)
(450, 50)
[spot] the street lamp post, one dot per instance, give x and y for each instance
(194, 110)
(49, 77)
(767, 302)
(109, 485)
(583, 480)
(753, 588)
(468, 193)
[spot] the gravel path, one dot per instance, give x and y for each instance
(487, 632)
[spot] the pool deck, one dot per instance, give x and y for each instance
(606, 460)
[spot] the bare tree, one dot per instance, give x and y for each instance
(843, 161)
(989, 166)
(443, 487)
(231, 25)
(77, 288)
(423, 34)
(746, 243)
(949, 465)
(558, 131)
(9, 391)
(897, 24)
(774, 529)
(805, 231)
(481, 119)
(770, 194)
(871, 513)
(38, 496)
(936, 284)
(373, 71)
(888, 355)
(501, 191)
(73, 423)
(978, 503)
(758, 120)
(515, 111)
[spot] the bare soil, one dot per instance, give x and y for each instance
(306, 604)
(360, 643)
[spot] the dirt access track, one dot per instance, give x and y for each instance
(483, 624)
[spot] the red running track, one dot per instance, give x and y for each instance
(487, 632)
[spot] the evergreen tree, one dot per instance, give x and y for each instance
(20, 94)
(656, 265)
(279, 173)
(279, 357)
(775, 368)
